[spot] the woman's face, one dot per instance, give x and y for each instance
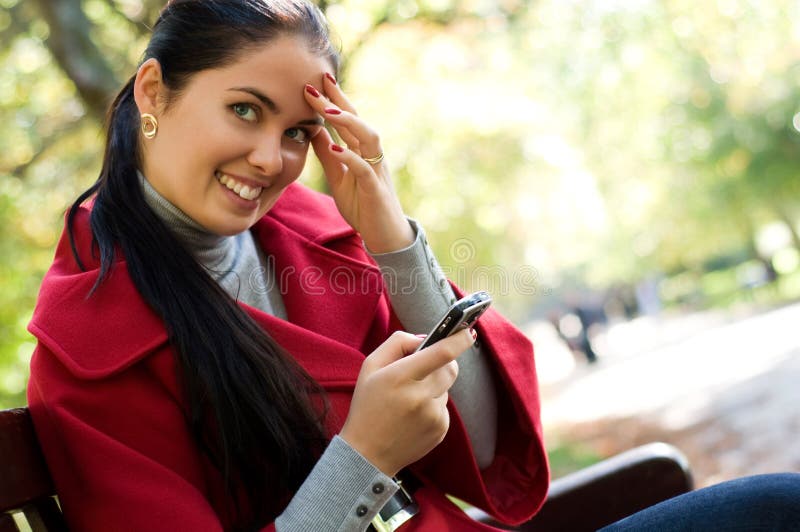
(235, 137)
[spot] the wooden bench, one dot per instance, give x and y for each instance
(609, 490)
(585, 500)
(25, 485)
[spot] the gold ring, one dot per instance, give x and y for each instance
(374, 160)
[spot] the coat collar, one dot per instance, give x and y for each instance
(325, 277)
(331, 293)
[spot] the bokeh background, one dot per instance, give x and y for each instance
(621, 174)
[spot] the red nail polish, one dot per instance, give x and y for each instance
(330, 77)
(312, 91)
(336, 147)
(474, 334)
(332, 111)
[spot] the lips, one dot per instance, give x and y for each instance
(243, 190)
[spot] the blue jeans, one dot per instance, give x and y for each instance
(757, 503)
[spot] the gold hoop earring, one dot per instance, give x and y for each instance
(149, 125)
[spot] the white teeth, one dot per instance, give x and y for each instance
(244, 191)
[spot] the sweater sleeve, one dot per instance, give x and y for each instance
(420, 295)
(343, 492)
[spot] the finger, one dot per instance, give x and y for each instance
(397, 346)
(330, 114)
(320, 103)
(441, 380)
(332, 167)
(336, 95)
(441, 401)
(444, 415)
(354, 131)
(362, 171)
(424, 362)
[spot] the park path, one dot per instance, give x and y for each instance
(723, 386)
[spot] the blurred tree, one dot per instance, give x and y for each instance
(686, 121)
(738, 136)
(70, 42)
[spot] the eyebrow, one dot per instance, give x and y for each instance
(272, 106)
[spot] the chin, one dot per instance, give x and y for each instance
(234, 230)
(229, 228)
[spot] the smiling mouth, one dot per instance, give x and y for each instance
(243, 191)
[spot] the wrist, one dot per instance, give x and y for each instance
(399, 236)
(372, 458)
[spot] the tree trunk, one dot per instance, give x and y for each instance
(71, 45)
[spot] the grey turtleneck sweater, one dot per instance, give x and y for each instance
(342, 484)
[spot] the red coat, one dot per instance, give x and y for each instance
(108, 410)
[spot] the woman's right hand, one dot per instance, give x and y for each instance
(399, 409)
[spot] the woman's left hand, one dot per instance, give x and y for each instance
(363, 192)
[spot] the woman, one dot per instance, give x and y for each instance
(203, 329)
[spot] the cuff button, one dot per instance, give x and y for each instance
(361, 511)
(378, 488)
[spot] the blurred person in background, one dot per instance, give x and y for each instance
(573, 331)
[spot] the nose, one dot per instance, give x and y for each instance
(265, 155)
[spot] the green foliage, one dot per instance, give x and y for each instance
(568, 457)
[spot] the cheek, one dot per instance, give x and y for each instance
(294, 159)
(207, 140)
(224, 144)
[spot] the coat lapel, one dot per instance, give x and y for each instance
(331, 364)
(325, 291)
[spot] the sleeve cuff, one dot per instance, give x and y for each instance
(343, 492)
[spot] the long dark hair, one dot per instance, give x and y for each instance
(251, 407)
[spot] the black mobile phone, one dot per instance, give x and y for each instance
(461, 315)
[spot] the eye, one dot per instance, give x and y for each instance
(245, 111)
(297, 134)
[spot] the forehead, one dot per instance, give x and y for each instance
(283, 62)
(279, 69)
(283, 51)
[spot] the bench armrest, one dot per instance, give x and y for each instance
(606, 492)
